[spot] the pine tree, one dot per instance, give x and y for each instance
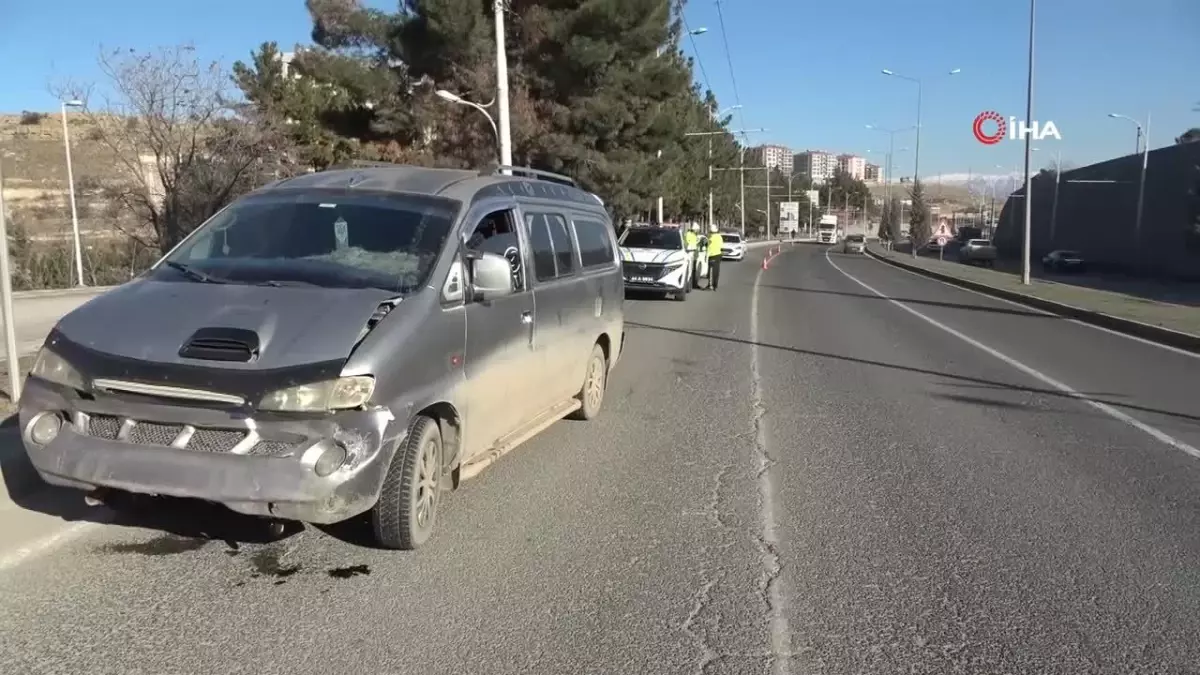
(918, 219)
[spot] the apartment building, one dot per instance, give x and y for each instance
(872, 174)
(853, 165)
(774, 156)
(817, 165)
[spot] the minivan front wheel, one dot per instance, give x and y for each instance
(595, 382)
(405, 515)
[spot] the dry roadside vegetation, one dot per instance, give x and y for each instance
(152, 160)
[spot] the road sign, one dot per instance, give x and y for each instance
(789, 216)
(941, 241)
(814, 198)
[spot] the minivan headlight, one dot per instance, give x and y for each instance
(51, 367)
(339, 394)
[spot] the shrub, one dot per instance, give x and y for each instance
(30, 118)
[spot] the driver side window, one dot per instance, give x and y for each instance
(497, 233)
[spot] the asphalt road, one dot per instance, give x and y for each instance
(805, 479)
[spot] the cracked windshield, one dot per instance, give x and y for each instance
(690, 337)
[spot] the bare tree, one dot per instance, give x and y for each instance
(183, 146)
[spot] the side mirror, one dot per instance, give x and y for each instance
(491, 276)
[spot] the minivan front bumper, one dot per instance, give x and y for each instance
(256, 465)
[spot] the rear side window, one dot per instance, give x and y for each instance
(553, 249)
(595, 244)
(564, 247)
(543, 248)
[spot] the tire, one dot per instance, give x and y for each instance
(595, 383)
(680, 295)
(402, 519)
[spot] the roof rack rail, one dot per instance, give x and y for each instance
(363, 164)
(527, 172)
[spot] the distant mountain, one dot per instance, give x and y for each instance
(1003, 184)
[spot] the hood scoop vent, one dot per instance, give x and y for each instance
(231, 345)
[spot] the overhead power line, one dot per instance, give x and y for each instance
(695, 52)
(737, 98)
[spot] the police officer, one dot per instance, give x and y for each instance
(691, 242)
(714, 257)
(691, 238)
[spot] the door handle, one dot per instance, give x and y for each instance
(526, 317)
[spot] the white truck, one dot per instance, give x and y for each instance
(827, 230)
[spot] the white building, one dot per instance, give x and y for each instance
(853, 165)
(773, 156)
(817, 165)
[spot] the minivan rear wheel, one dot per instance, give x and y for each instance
(595, 382)
(405, 515)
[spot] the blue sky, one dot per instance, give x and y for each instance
(806, 71)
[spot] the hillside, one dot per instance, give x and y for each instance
(35, 173)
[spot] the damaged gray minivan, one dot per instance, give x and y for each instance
(348, 341)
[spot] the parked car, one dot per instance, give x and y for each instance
(344, 342)
(655, 259)
(1063, 261)
(977, 251)
(732, 246)
(854, 243)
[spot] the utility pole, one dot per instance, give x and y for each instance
(502, 86)
(1026, 243)
(711, 169)
(768, 212)
(1054, 207)
(742, 185)
(6, 301)
(711, 220)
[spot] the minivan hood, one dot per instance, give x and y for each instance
(151, 320)
(652, 255)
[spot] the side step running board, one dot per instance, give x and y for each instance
(477, 464)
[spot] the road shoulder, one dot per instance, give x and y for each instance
(1164, 323)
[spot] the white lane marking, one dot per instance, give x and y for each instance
(37, 547)
(1043, 312)
(1112, 412)
(780, 635)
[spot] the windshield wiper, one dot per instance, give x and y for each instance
(195, 274)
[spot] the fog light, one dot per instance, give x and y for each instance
(331, 460)
(45, 428)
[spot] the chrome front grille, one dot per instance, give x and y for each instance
(637, 269)
(182, 436)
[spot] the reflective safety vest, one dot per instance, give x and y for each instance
(714, 244)
(690, 239)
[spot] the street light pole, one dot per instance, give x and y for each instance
(1137, 227)
(504, 131)
(71, 188)
(1026, 243)
(1145, 148)
(917, 151)
(742, 185)
(1054, 206)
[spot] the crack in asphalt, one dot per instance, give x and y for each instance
(766, 540)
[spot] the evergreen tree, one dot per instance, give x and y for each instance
(918, 218)
(598, 89)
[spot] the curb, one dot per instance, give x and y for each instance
(1131, 327)
(61, 292)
